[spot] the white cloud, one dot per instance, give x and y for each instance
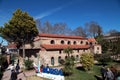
(50, 12)
(47, 13)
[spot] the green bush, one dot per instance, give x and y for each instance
(28, 64)
(3, 58)
(104, 59)
(87, 60)
(68, 66)
(1, 74)
(62, 62)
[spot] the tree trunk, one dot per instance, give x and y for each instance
(23, 51)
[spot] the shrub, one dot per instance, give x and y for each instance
(1, 73)
(2, 59)
(104, 58)
(68, 66)
(87, 60)
(62, 62)
(28, 64)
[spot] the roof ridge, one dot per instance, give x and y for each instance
(60, 36)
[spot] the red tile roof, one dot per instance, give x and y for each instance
(51, 47)
(91, 40)
(60, 36)
(13, 46)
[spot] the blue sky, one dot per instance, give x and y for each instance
(72, 12)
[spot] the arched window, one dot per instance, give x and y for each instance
(86, 43)
(74, 42)
(97, 48)
(59, 58)
(73, 58)
(52, 42)
(60, 51)
(62, 42)
(65, 57)
(81, 42)
(69, 42)
(90, 43)
(52, 60)
(77, 57)
(83, 50)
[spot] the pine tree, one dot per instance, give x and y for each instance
(20, 29)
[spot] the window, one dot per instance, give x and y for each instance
(95, 43)
(83, 50)
(73, 58)
(86, 43)
(59, 58)
(77, 57)
(90, 43)
(81, 42)
(69, 42)
(52, 42)
(65, 57)
(97, 48)
(52, 60)
(60, 51)
(74, 42)
(62, 42)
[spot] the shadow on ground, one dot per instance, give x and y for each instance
(80, 68)
(97, 77)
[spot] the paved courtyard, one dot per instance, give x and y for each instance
(22, 75)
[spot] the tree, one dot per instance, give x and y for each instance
(57, 28)
(21, 29)
(44, 28)
(94, 29)
(104, 58)
(2, 60)
(68, 66)
(47, 27)
(28, 64)
(39, 25)
(69, 62)
(104, 43)
(80, 31)
(87, 60)
(68, 51)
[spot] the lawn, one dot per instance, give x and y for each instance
(80, 74)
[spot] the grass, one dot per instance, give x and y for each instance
(80, 74)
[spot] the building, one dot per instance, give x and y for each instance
(112, 37)
(48, 48)
(94, 46)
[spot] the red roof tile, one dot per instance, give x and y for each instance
(91, 40)
(60, 36)
(12, 46)
(49, 47)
